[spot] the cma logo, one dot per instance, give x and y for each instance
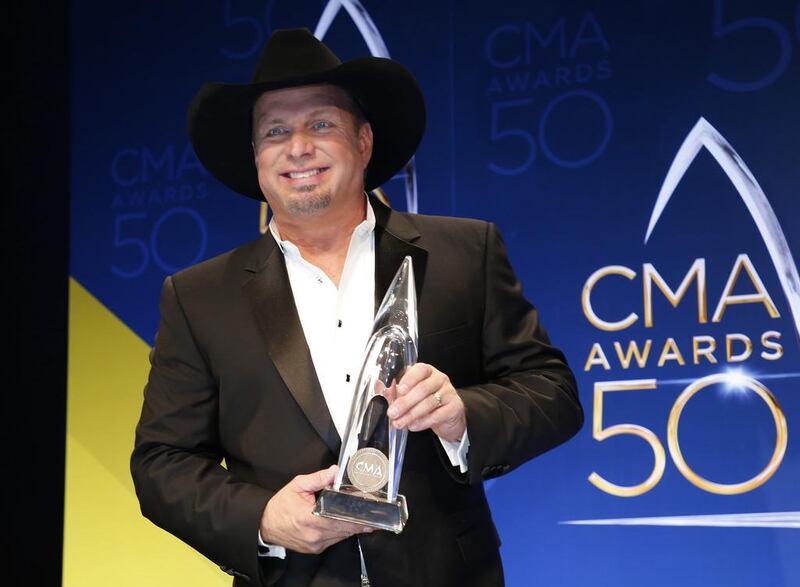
(705, 135)
(701, 348)
(138, 166)
(373, 469)
(697, 273)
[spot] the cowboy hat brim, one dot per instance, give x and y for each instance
(220, 120)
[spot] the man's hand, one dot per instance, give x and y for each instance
(418, 408)
(287, 519)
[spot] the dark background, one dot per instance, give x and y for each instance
(36, 236)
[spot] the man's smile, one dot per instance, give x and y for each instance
(299, 175)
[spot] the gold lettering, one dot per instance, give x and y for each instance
(650, 275)
(586, 302)
(761, 295)
(596, 357)
(633, 352)
(748, 347)
(781, 439)
(670, 352)
(705, 351)
(767, 342)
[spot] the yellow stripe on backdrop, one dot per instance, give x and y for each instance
(106, 539)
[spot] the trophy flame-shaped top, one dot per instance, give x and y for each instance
(399, 306)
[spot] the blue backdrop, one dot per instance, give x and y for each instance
(562, 122)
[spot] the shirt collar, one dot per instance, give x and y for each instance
(366, 228)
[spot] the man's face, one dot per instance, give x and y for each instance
(308, 152)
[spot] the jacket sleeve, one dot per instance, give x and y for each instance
(529, 401)
(177, 458)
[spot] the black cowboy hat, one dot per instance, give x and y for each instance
(220, 115)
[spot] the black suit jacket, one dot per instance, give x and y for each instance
(233, 409)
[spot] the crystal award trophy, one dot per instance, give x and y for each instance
(371, 458)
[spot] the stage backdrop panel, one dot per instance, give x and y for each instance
(641, 159)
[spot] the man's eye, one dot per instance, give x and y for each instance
(275, 131)
(320, 124)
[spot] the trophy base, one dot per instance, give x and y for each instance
(382, 515)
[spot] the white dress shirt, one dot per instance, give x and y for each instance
(337, 324)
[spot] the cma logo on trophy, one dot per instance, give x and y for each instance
(368, 470)
(734, 347)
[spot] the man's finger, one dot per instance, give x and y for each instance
(328, 542)
(390, 393)
(426, 405)
(416, 396)
(432, 420)
(315, 481)
(349, 528)
(412, 377)
(338, 528)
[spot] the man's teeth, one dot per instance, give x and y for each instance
(302, 174)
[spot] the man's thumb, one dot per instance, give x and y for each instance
(317, 480)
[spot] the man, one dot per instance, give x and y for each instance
(258, 349)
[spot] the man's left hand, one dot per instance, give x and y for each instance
(426, 399)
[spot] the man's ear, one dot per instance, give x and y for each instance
(365, 141)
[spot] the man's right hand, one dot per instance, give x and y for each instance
(287, 519)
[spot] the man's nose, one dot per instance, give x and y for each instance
(300, 145)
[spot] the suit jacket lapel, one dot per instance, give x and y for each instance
(394, 236)
(270, 296)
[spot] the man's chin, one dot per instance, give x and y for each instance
(309, 204)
